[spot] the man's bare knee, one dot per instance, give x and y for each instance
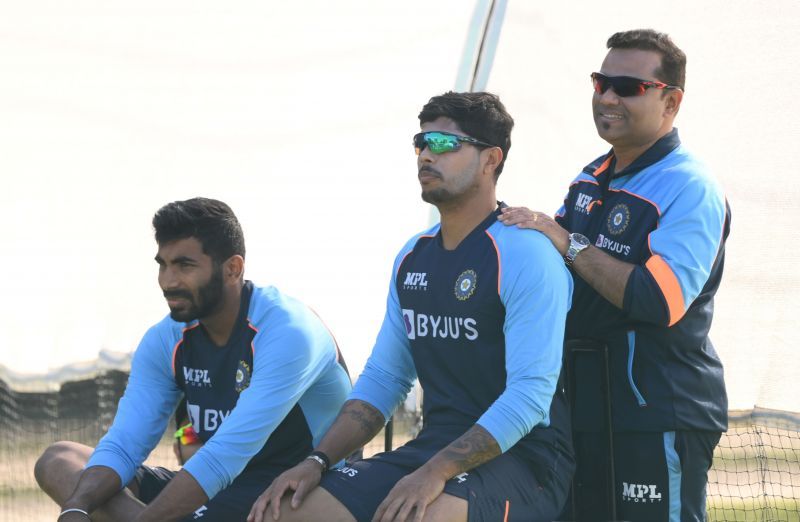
(447, 508)
(60, 466)
(318, 505)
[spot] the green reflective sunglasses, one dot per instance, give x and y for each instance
(441, 142)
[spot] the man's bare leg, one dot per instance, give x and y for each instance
(318, 505)
(58, 469)
(447, 508)
(321, 505)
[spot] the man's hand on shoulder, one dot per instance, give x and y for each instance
(523, 217)
(603, 272)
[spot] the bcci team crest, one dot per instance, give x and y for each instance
(465, 285)
(618, 219)
(242, 377)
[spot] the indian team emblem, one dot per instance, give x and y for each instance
(242, 377)
(618, 219)
(465, 285)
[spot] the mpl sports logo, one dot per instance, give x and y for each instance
(640, 493)
(439, 326)
(416, 281)
(196, 377)
(582, 203)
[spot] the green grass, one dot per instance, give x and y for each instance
(766, 509)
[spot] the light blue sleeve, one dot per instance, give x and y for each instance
(684, 247)
(536, 289)
(146, 406)
(389, 373)
(289, 356)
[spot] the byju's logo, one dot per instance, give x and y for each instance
(582, 203)
(415, 281)
(439, 326)
(350, 472)
(646, 493)
(207, 420)
(614, 246)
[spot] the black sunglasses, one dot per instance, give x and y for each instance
(441, 142)
(625, 86)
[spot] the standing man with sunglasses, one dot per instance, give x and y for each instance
(643, 229)
(476, 311)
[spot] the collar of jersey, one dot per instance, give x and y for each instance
(654, 154)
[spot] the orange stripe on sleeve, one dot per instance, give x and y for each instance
(499, 266)
(669, 286)
(252, 343)
(508, 508)
(179, 343)
(409, 252)
(175, 353)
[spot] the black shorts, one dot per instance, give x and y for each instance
(232, 504)
(506, 486)
(659, 477)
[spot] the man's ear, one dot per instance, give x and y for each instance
(233, 268)
(673, 105)
(494, 156)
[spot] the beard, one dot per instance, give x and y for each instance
(452, 192)
(454, 195)
(209, 298)
(437, 196)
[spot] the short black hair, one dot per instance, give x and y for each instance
(210, 221)
(479, 114)
(673, 60)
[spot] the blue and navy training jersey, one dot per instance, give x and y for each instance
(666, 215)
(482, 327)
(263, 399)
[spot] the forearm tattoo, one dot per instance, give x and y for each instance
(368, 418)
(472, 449)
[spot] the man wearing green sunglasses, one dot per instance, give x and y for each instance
(476, 312)
(643, 229)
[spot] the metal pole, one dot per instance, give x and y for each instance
(488, 48)
(388, 435)
(478, 56)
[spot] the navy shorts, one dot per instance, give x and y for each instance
(505, 488)
(232, 504)
(659, 477)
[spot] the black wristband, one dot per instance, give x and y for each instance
(320, 457)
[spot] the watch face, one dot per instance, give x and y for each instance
(580, 239)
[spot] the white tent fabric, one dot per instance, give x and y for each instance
(299, 115)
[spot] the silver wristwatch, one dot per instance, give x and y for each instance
(577, 242)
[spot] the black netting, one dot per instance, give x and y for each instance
(755, 477)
